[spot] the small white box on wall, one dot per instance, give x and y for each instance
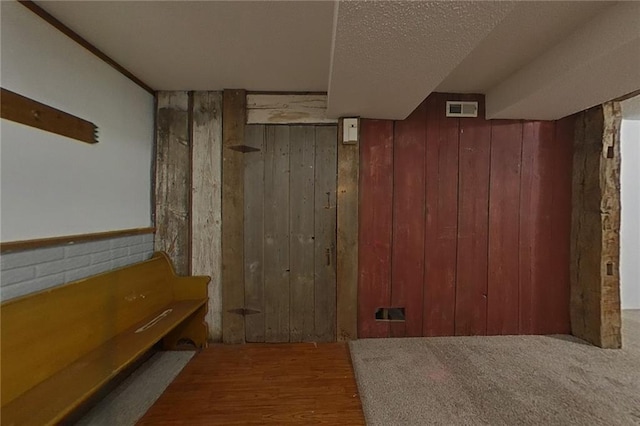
(350, 131)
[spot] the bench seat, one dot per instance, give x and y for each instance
(63, 389)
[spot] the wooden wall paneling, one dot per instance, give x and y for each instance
(504, 210)
(276, 230)
(473, 208)
(375, 225)
(291, 108)
(407, 269)
(254, 233)
(302, 227)
(441, 221)
(586, 230)
(326, 159)
(554, 317)
(206, 201)
(173, 175)
(233, 119)
(536, 209)
(347, 250)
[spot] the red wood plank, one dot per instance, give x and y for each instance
(473, 212)
(375, 225)
(504, 208)
(536, 205)
(441, 219)
(408, 221)
(556, 318)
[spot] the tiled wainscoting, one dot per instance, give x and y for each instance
(28, 271)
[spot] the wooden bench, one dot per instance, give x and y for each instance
(61, 345)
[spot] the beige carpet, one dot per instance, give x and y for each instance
(505, 380)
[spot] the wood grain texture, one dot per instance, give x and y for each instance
(442, 219)
(32, 113)
(610, 207)
(32, 6)
(173, 179)
(497, 214)
(504, 210)
(595, 308)
(276, 234)
(84, 333)
(375, 225)
(302, 233)
(206, 200)
(254, 233)
(326, 154)
(233, 119)
(473, 209)
(347, 249)
(407, 267)
(13, 246)
(262, 384)
(554, 315)
(291, 108)
(536, 207)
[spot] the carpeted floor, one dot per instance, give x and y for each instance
(503, 380)
(127, 403)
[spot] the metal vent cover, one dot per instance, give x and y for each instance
(462, 109)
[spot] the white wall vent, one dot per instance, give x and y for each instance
(462, 109)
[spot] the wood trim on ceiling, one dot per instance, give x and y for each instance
(12, 246)
(84, 43)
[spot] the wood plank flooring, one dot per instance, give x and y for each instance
(257, 384)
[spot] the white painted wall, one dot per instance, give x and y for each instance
(630, 226)
(55, 186)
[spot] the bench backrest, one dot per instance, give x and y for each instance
(42, 333)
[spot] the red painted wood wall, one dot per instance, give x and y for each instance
(465, 223)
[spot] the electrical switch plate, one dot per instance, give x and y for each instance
(350, 131)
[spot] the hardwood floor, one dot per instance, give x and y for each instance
(257, 384)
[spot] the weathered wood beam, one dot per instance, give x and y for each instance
(234, 118)
(347, 241)
(595, 228)
(173, 176)
(292, 108)
(206, 200)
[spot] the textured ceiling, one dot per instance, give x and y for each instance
(525, 33)
(388, 55)
(375, 59)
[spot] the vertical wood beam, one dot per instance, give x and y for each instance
(595, 226)
(173, 176)
(233, 119)
(347, 240)
(206, 201)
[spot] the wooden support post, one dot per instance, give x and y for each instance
(595, 227)
(234, 110)
(173, 175)
(347, 242)
(206, 201)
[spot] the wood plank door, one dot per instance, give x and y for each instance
(290, 233)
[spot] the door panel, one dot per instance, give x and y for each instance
(254, 233)
(290, 233)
